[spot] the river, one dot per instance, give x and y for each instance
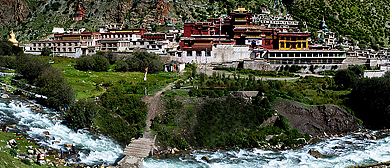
(97, 150)
(93, 150)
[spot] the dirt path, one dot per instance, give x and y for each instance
(153, 108)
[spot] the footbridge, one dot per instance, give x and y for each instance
(135, 152)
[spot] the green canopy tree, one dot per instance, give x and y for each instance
(81, 114)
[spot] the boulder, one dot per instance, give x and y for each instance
(316, 120)
(46, 132)
(206, 158)
(367, 136)
(373, 137)
(30, 151)
(68, 145)
(315, 153)
(4, 96)
(175, 149)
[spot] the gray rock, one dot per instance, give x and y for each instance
(315, 153)
(206, 158)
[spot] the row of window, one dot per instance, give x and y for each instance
(57, 49)
(292, 38)
(289, 45)
(198, 53)
(316, 61)
(54, 44)
(304, 55)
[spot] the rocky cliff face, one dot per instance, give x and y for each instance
(316, 120)
(13, 12)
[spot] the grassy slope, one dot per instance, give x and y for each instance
(85, 82)
(5, 157)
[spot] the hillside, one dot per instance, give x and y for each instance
(365, 21)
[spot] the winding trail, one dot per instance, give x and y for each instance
(153, 108)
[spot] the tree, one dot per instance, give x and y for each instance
(121, 66)
(141, 59)
(54, 85)
(30, 67)
(345, 78)
(357, 69)
(100, 63)
(46, 51)
(5, 48)
(81, 114)
(84, 63)
(370, 101)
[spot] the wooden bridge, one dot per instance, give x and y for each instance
(135, 152)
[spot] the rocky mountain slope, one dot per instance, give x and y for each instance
(316, 120)
(365, 21)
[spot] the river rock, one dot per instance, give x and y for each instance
(175, 149)
(367, 136)
(315, 153)
(46, 132)
(30, 151)
(68, 145)
(4, 96)
(206, 158)
(51, 152)
(41, 150)
(12, 126)
(373, 137)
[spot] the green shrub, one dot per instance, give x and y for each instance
(121, 66)
(26, 161)
(100, 63)
(81, 114)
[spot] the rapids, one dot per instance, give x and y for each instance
(93, 150)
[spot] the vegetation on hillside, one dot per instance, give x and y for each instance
(362, 21)
(370, 101)
(220, 120)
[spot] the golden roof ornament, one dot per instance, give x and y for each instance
(241, 10)
(12, 39)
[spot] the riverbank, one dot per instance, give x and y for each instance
(351, 149)
(25, 153)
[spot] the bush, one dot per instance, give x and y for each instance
(345, 78)
(100, 63)
(46, 51)
(141, 59)
(54, 85)
(96, 62)
(370, 101)
(84, 63)
(121, 66)
(81, 114)
(7, 61)
(30, 67)
(26, 161)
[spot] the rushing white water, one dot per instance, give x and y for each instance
(93, 150)
(354, 151)
(97, 150)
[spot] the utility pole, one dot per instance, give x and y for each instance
(205, 69)
(235, 69)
